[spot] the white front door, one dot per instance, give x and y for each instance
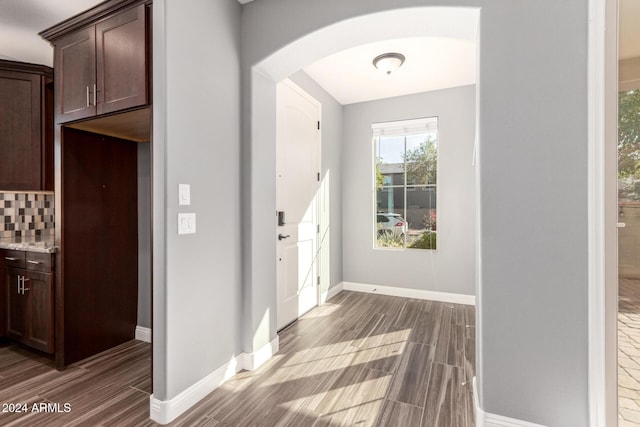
(297, 184)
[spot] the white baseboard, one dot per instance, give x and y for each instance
(143, 334)
(485, 419)
(165, 411)
(331, 292)
(480, 415)
(410, 293)
(493, 420)
(252, 361)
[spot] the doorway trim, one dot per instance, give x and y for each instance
(258, 135)
(602, 240)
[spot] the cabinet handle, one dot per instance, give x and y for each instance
(24, 279)
(21, 288)
(33, 262)
(95, 95)
(10, 259)
(88, 104)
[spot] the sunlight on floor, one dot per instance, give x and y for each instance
(360, 360)
(310, 362)
(322, 311)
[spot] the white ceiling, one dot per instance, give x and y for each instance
(629, 41)
(431, 63)
(22, 20)
(349, 76)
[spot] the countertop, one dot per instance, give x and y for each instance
(43, 243)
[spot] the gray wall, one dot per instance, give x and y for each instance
(532, 286)
(452, 267)
(197, 281)
(332, 158)
(144, 235)
(533, 133)
(258, 197)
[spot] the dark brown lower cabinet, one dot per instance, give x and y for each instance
(16, 305)
(29, 308)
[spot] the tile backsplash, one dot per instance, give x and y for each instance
(26, 214)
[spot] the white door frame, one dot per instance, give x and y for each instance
(602, 213)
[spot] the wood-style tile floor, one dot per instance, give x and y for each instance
(358, 360)
(109, 389)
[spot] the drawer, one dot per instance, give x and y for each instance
(39, 261)
(14, 258)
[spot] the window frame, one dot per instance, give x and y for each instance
(394, 126)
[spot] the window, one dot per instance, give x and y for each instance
(405, 183)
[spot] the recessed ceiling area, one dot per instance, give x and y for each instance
(431, 63)
(349, 76)
(22, 20)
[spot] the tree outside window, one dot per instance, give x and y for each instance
(629, 146)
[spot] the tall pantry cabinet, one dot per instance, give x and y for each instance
(102, 112)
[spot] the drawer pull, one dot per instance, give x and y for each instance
(33, 262)
(10, 259)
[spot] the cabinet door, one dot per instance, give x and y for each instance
(122, 61)
(17, 308)
(39, 289)
(75, 75)
(20, 131)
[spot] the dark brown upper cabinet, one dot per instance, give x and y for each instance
(26, 127)
(101, 65)
(75, 65)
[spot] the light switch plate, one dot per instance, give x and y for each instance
(184, 194)
(186, 223)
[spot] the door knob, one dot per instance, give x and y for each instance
(283, 236)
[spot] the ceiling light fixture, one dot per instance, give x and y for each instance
(388, 62)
